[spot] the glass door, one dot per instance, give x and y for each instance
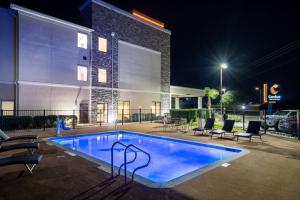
(125, 106)
(102, 112)
(156, 108)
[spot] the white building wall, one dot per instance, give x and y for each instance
(48, 52)
(139, 68)
(138, 100)
(6, 46)
(48, 60)
(7, 55)
(139, 72)
(36, 97)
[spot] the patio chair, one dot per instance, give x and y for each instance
(29, 146)
(5, 138)
(252, 130)
(30, 161)
(208, 126)
(227, 128)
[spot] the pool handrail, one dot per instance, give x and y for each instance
(135, 156)
(130, 146)
(137, 168)
(112, 156)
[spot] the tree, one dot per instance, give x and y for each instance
(230, 99)
(211, 93)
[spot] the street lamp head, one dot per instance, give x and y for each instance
(243, 107)
(257, 88)
(223, 89)
(224, 66)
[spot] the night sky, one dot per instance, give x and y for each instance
(207, 33)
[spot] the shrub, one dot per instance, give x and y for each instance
(150, 117)
(237, 118)
(16, 122)
(204, 113)
(25, 122)
(51, 121)
(38, 121)
(135, 117)
(9, 123)
(189, 114)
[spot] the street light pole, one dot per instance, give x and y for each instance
(221, 85)
(259, 89)
(223, 66)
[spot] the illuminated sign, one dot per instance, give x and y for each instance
(271, 93)
(148, 19)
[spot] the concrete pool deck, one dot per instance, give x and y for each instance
(270, 171)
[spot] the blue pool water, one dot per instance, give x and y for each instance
(172, 160)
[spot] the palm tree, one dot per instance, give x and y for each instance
(211, 93)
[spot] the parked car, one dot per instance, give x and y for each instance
(288, 125)
(272, 121)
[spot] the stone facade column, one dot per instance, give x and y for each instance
(199, 102)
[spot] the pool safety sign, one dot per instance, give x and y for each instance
(271, 93)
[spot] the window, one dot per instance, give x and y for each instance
(81, 40)
(124, 106)
(156, 108)
(102, 76)
(102, 44)
(8, 107)
(81, 73)
(102, 112)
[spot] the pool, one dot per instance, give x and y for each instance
(173, 161)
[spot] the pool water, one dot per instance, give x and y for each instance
(172, 160)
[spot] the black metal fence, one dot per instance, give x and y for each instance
(35, 119)
(287, 125)
(284, 123)
(43, 119)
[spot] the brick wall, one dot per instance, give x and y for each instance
(105, 21)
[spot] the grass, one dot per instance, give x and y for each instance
(219, 125)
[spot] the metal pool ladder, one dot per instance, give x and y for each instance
(133, 148)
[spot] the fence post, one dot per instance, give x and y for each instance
(122, 116)
(265, 121)
(243, 119)
(140, 115)
(73, 121)
(44, 119)
(1, 115)
(100, 118)
(151, 115)
(298, 124)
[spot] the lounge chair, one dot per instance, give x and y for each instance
(252, 130)
(208, 126)
(30, 161)
(5, 138)
(227, 128)
(29, 146)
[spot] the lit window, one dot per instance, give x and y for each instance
(81, 40)
(102, 78)
(156, 108)
(81, 73)
(123, 110)
(102, 44)
(8, 107)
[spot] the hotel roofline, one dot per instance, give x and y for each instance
(122, 12)
(48, 18)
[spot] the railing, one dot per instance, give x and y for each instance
(130, 146)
